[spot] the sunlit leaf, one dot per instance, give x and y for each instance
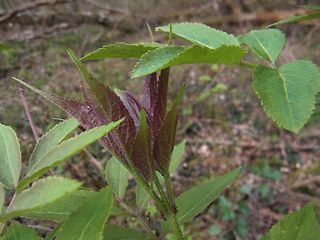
(299, 225)
(117, 176)
(267, 43)
(168, 56)
(49, 140)
(20, 232)
(121, 50)
(287, 94)
(200, 34)
(10, 157)
(87, 221)
(41, 193)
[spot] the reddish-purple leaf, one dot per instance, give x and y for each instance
(132, 104)
(164, 141)
(149, 99)
(141, 155)
(108, 105)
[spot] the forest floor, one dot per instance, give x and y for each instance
(220, 116)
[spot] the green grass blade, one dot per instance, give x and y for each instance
(297, 19)
(10, 157)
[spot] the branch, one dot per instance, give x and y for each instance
(28, 6)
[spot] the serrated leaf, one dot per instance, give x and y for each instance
(107, 105)
(141, 153)
(10, 157)
(41, 193)
(299, 225)
(164, 141)
(200, 34)
(142, 197)
(115, 232)
(86, 116)
(316, 112)
(60, 210)
(266, 44)
(195, 200)
(20, 232)
(287, 94)
(297, 19)
(169, 56)
(121, 50)
(64, 150)
(88, 220)
(52, 138)
(117, 176)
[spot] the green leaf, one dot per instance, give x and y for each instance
(310, 7)
(115, 232)
(64, 150)
(196, 199)
(20, 232)
(121, 50)
(299, 225)
(41, 193)
(87, 222)
(297, 19)
(316, 112)
(2, 196)
(142, 196)
(10, 157)
(266, 44)
(53, 233)
(60, 210)
(200, 34)
(168, 56)
(52, 138)
(2, 47)
(117, 176)
(287, 94)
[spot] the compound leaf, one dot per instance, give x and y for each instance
(10, 157)
(200, 34)
(52, 138)
(121, 50)
(266, 44)
(64, 150)
(287, 94)
(87, 221)
(20, 232)
(43, 192)
(117, 176)
(169, 56)
(299, 225)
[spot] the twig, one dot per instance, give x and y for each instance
(28, 6)
(26, 107)
(93, 160)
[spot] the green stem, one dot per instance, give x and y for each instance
(168, 183)
(171, 212)
(247, 65)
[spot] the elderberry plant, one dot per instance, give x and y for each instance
(141, 137)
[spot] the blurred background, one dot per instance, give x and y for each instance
(220, 116)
